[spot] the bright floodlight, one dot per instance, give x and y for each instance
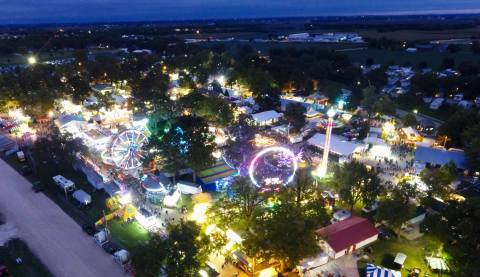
(331, 112)
(32, 60)
(286, 151)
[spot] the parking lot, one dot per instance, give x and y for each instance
(50, 233)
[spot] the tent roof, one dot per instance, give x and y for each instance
(410, 131)
(400, 258)
(376, 271)
(338, 145)
(266, 116)
(437, 263)
(218, 171)
(438, 156)
(68, 118)
(82, 196)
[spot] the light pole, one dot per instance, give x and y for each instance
(322, 169)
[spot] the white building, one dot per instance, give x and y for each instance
(346, 236)
(266, 118)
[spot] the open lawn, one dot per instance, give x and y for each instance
(128, 235)
(31, 266)
(384, 251)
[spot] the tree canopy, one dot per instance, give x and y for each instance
(355, 182)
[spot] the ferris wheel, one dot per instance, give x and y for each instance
(126, 149)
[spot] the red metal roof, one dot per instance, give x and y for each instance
(348, 232)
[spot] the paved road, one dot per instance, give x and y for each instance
(50, 233)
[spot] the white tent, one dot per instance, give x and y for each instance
(82, 197)
(189, 188)
(375, 271)
(437, 264)
(266, 118)
(400, 258)
(338, 145)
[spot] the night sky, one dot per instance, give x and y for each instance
(52, 11)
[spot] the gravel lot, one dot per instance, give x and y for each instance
(51, 234)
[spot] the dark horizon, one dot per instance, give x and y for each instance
(28, 12)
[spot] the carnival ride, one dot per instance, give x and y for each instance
(281, 165)
(126, 149)
(119, 208)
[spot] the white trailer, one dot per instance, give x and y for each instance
(64, 183)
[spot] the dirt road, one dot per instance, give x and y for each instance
(51, 234)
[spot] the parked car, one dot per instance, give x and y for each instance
(89, 229)
(110, 247)
(340, 215)
(26, 170)
(38, 186)
(371, 208)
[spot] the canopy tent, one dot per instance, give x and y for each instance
(375, 271)
(215, 173)
(82, 197)
(338, 145)
(400, 258)
(439, 157)
(437, 264)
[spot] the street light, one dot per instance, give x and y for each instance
(32, 60)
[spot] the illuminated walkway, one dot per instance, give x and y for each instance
(53, 236)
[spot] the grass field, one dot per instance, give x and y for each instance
(384, 251)
(31, 266)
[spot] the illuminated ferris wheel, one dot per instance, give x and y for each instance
(126, 149)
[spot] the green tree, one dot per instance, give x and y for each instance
(147, 259)
(395, 212)
(283, 233)
(409, 120)
(295, 115)
(187, 144)
(357, 183)
(438, 180)
(184, 250)
(457, 227)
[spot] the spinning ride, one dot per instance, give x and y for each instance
(273, 166)
(126, 149)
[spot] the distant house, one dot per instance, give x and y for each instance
(266, 118)
(344, 237)
(439, 156)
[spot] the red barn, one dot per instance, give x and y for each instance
(346, 236)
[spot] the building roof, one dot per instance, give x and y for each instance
(338, 145)
(64, 120)
(266, 116)
(101, 87)
(437, 156)
(348, 232)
